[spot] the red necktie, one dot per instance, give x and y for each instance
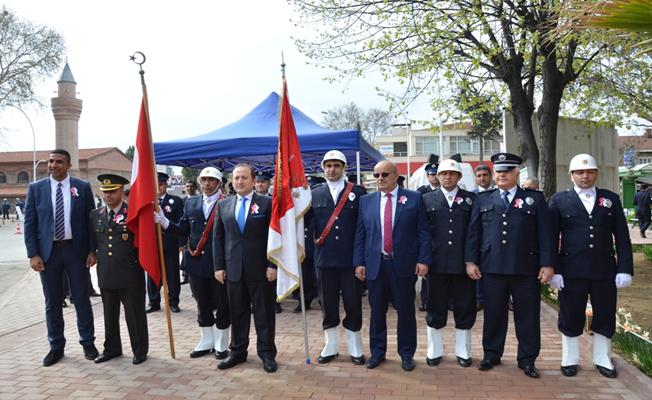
(387, 227)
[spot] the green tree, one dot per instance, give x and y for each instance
(486, 117)
(130, 152)
(28, 53)
(371, 123)
(498, 46)
(189, 174)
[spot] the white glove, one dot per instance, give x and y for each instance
(161, 219)
(623, 280)
(557, 282)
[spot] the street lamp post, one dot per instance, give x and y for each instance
(34, 163)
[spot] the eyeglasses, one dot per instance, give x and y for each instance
(383, 174)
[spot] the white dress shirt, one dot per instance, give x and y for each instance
(65, 190)
(450, 196)
(383, 200)
(510, 196)
(587, 196)
(207, 203)
(335, 188)
(238, 203)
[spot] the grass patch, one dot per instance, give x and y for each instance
(635, 350)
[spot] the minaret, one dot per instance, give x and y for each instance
(67, 108)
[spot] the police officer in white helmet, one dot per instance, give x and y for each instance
(588, 220)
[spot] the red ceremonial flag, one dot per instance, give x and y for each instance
(290, 201)
(140, 215)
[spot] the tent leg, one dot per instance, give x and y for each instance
(357, 165)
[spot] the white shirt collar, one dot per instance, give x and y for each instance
(393, 192)
(590, 190)
(248, 195)
(511, 191)
(212, 197)
(335, 184)
(447, 193)
(65, 181)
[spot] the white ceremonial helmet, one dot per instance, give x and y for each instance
(334, 155)
(449, 165)
(211, 172)
(582, 161)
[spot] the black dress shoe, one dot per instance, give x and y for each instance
(375, 361)
(277, 308)
(104, 357)
(464, 362)
(407, 363)
(530, 370)
(139, 359)
(488, 363)
(231, 361)
(356, 360)
(200, 353)
(326, 359)
(151, 308)
(569, 370)
(269, 365)
(433, 361)
(221, 355)
(90, 352)
(606, 372)
(52, 357)
(175, 309)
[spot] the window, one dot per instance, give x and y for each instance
(23, 177)
(400, 149)
(3, 177)
(426, 145)
(462, 145)
(641, 160)
(490, 146)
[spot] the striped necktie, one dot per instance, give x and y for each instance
(59, 216)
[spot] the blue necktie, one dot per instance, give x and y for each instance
(242, 214)
(59, 218)
(505, 199)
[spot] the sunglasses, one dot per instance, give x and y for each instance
(383, 174)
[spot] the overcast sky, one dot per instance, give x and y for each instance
(208, 64)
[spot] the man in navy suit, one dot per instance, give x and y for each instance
(588, 220)
(483, 181)
(172, 207)
(58, 242)
(392, 248)
(449, 212)
(511, 237)
(196, 226)
(240, 262)
(334, 216)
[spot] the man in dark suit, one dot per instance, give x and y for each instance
(642, 201)
(511, 237)
(334, 216)
(588, 220)
(120, 276)
(196, 226)
(482, 175)
(172, 207)
(240, 261)
(449, 212)
(58, 243)
(392, 248)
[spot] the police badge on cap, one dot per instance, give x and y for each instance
(505, 161)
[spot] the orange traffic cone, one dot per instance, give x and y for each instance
(18, 230)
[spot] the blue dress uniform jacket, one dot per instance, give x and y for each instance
(513, 241)
(117, 258)
(337, 250)
(448, 229)
(411, 241)
(191, 226)
(586, 248)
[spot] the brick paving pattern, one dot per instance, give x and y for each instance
(23, 345)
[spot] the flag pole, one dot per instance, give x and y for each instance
(156, 205)
(302, 297)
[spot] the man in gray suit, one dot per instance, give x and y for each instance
(240, 260)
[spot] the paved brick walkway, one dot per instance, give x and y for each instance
(23, 345)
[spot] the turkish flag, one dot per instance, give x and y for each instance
(290, 201)
(142, 197)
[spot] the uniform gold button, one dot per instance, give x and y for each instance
(504, 241)
(450, 243)
(590, 216)
(591, 227)
(590, 246)
(110, 237)
(591, 235)
(450, 220)
(504, 222)
(504, 215)
(504, 232)
(110, 254)
(202, 251)
(110, 230)
(450, 210)
(110, 245)
(450, 232)
(337, 227)
(337, 238)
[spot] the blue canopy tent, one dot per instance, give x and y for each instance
(253, 139)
